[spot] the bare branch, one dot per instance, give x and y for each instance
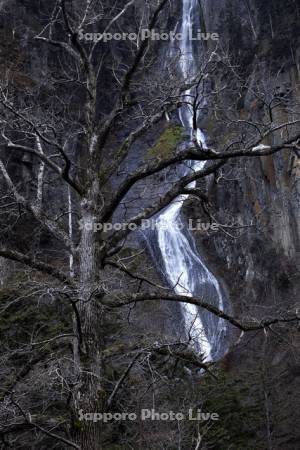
(252, 325)
(38, 215)
(35, 264)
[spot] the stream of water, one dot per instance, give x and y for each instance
(184, 267)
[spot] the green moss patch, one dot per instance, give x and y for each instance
(166, 143)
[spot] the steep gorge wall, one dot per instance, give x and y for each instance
(261, 193)
(259, 262)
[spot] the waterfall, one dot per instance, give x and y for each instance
(183, 267)
(70, 226)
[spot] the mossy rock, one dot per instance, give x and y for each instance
(166, 143)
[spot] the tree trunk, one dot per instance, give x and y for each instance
(87, 348)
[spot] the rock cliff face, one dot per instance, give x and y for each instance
(260, 194)
(259, 262)
(263, 37)
(256, 252)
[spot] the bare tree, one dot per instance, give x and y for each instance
(77, 145)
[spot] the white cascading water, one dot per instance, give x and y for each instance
(70, 225)
(183, 266)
